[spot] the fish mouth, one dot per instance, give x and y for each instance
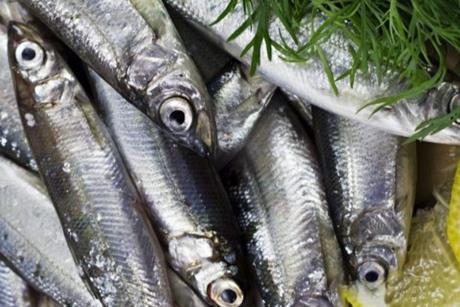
(225, 292)
(372, 274)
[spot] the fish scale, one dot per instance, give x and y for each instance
(14, 291)
(275, 187)
(91, 190)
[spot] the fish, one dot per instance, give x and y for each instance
(276, 190)
(134, 46)
(240, 100)
(309, 81)
(95, 199)
(184, 296)
(32, 240)
(13, 141)
(370, 179)
(14, 291)
(184, 196)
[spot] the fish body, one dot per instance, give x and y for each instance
(135, 47)
(13, 141)
(32, 240)
(97, 204)
(370, 183)
(184, 196)
(309, 80)
(14, 291)
(275, 187)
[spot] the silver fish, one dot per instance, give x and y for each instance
(183, 295)
(310, 82)
(134, 46)
(275, 187)
(240, 101)
(370, 185)
(184, 196)
(32, 240)
(13, 142)
(92, 192)
(14, 291)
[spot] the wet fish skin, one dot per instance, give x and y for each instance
(183, 194)
(13, 142)
(309, 80)
(275, 187)
(370, 184)
(240, 100)
(32, 240)
(134, 46)
(14, 291)
(94, 197)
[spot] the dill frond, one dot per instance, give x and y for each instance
(408, 36)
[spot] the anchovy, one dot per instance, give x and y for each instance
(97, 203)
(240, 101)
(184, 196)
(13, 142)
(32, 240)
(309, 80)
(370, 185)
(14, 291)
(275, 187)
(134, 46)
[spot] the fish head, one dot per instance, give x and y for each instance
(37, 70)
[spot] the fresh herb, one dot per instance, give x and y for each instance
(407, 36)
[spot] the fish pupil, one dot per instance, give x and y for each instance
(228, 296)
(371, 276)
(177, 116)
(28, 54)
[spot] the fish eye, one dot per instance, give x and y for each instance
(176, 114)
(29, 55)
(371, 274)
(225, 293)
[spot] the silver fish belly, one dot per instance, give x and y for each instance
(310, 82)
(14, 291)
(184, 196)
(275, 187)
(13, 142)
(134, 46)
(370, 185)
(32, 240)
(97, 203)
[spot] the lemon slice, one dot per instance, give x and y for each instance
(453, 220)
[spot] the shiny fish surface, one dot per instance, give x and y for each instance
(370, 185)
(184, 196)
(134, 46)
(240, 101)
(13, 142)
(14, 291)
(309, 80)
(32, 240)
(275, 187)
(94, 197)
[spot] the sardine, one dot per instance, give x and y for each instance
(309, 80)
(184, 296)
(240, 101)
(184, 196)
(134, 46)
(275, 187)
(14, 291)
(370, 185)
(13, 142)
(97, 203)
(32, 240)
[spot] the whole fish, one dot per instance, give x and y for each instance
(97, 203)
(184, 196)
(13, 142)
(275, 187)
(134, 46)
(14, 291)
(309, 80)
(370, 186)
(32, 240)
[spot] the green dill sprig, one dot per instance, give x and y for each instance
(406, 36)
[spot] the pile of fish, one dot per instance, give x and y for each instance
(142, 165)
